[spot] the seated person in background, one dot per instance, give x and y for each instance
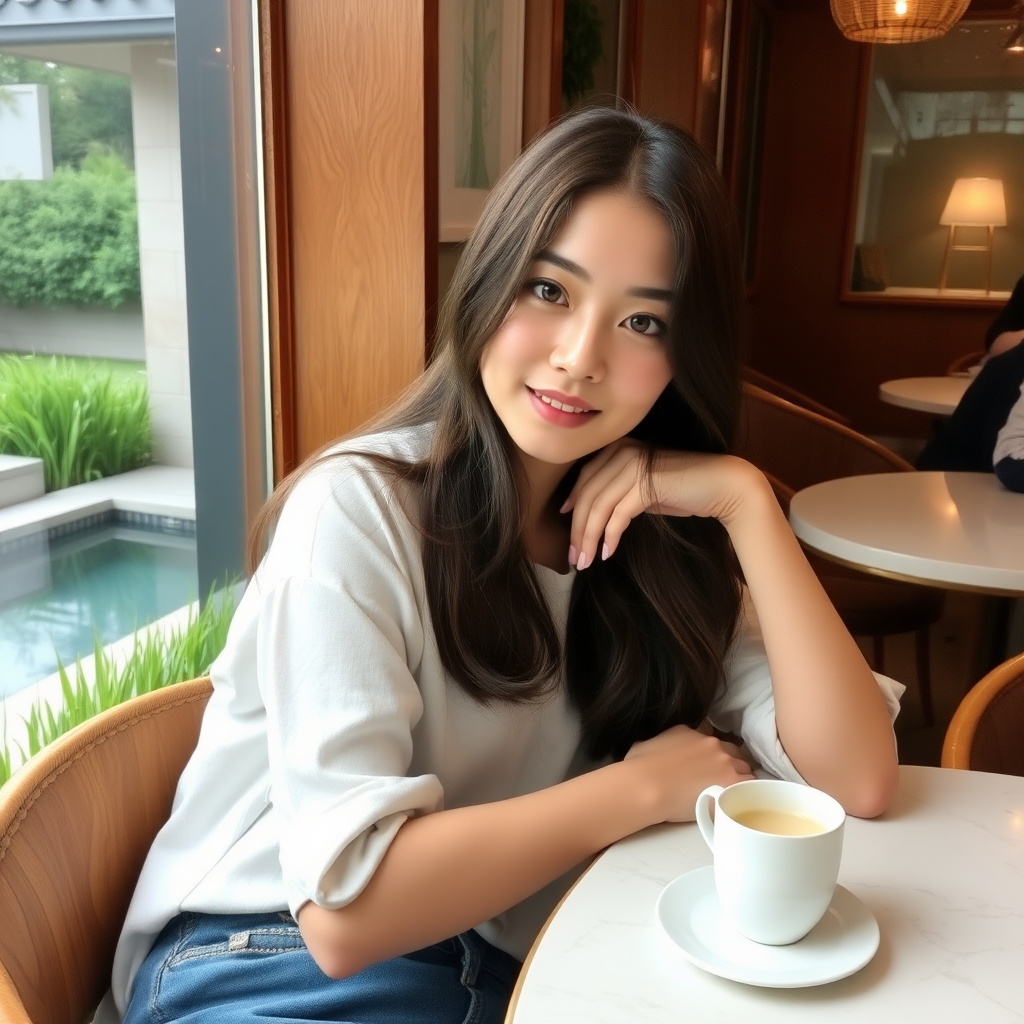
(966, 441)
(1007, 329)
(1008, 458)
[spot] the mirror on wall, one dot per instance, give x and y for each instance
(938, 211)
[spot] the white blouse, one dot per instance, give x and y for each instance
(332, 721)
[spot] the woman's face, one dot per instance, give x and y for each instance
(582, 356)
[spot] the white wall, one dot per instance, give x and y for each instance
(162, 248)
(70, 331)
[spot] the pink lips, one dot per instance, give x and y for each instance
(558, 417)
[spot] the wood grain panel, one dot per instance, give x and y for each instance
(355, 115)
(542, 64)
(800, 330)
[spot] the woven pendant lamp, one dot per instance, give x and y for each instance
(896, 21)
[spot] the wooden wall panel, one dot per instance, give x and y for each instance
(354, 112)
(800, 331)
(669, 45)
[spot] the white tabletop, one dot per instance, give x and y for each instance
(962, 530)
(937, 395)
(942, 871)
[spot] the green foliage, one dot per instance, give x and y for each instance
(86, 107)
(74, 238)
(81, 421)
(581, 48)
(156, 661)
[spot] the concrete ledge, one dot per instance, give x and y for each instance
(21, 479)
(156, 490)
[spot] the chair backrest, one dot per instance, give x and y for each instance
(965, 362)
(800, 448)
(776, 387)
(987, 732)
(76, 823)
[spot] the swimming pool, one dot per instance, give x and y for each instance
(104, 576)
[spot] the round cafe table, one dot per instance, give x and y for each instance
(962, 531)
(942, 871)
(937, 395)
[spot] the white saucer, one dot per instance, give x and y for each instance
(840, 944)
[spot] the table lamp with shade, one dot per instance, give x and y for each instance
(973, 203)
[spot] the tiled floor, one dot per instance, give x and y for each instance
(959, 645)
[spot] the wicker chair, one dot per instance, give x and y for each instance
(798, 448)
(776, 387)
(987, 731)
(75, 826)
(963, 363)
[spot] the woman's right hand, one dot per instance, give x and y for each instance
(677, 764)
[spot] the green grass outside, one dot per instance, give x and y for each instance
(156, 661)
(85, 418)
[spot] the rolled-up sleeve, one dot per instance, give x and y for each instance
(333, 650)
(745, 705)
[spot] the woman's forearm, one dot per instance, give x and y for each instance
(831, 716)
(448, 871)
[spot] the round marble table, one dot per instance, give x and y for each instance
(937, 395)
(956, 530)
(942, 871)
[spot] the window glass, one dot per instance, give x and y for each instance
(938, 113)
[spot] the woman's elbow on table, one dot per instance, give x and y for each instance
(872, 793)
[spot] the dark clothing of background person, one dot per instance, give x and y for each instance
(965, 442)
(1011, 317)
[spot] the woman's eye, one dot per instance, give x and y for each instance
(548, 291)
(643, 324)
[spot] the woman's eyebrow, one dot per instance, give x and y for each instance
(657, 294)
(547, 256)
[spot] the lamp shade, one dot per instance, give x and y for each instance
(975, 202)
(896, 21)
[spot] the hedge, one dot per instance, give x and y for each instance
(72, 239)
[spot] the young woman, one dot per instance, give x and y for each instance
(487, 629)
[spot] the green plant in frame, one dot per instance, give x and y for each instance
(581, 49)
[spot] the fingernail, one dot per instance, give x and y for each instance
(573, 553)
(582, 563)
(604, 552)
(565, 506)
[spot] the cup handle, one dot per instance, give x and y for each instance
(704, 822)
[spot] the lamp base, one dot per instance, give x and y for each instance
(951, 247)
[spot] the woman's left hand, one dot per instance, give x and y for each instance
(612, 490)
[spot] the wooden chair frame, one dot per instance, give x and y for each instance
(76, 823)
(958, 746)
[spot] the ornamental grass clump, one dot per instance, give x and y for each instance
(81, 421)
(156, 660)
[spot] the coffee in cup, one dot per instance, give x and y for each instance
(777, 848)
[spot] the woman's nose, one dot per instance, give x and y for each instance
(580, 351)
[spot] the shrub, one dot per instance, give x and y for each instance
(72, 239)
(80, 421)
(156, 661)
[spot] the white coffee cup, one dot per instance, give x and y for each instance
(773, 888)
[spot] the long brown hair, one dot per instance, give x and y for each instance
(648, 629)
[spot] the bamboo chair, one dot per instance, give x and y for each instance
(776, 387)
(987, 731)
(963, 363)
(797, 448)
(76, 823)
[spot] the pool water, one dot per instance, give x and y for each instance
(58, 593)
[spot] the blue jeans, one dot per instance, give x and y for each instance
(248, 968)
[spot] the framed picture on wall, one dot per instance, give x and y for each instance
(480, 109)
